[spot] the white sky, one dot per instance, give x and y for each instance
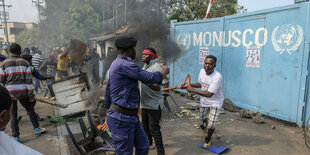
(24, 10)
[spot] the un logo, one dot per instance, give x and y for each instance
(184, 41)
(287, 38)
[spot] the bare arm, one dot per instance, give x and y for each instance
(201, 93)
(196, 85)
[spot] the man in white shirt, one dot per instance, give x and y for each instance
(7, 144)
(211, 100)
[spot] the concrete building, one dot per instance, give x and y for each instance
(13, 29)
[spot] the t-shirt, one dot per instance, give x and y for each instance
(213, 84)
(49, 68)
(63, 62)
(37, 61)
(9, 146)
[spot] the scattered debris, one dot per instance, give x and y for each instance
(196, 98)
(196, 125)
(230, 119)
(229, 106)
(222, 111)
(258, 118)
(218, 136)
(273, 127)
(194, 105)
(291, 132)
(186, 112)
(219, 122)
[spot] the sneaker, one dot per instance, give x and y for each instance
(46, 97)
(207, 145)
(38, 131)
(52, 98)
(17, 139)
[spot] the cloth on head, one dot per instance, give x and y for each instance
(151, 53)
(125, 42)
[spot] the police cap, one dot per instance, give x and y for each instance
(125, 42)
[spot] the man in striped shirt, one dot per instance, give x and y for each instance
(37, 60)
(15, 72)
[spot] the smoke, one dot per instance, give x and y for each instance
(148, 25)
(152, 30)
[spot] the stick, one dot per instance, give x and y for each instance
(51, 103)
(169, 88)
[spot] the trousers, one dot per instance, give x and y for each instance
(29, 106)
(150, 121)
(127, 135)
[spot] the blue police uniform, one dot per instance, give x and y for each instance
(122, 94)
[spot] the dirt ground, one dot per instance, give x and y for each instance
(241, 135)
(46, 143)
(181, 137)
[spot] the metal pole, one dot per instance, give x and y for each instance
(5, 24)
(125, 11)
(209, 8)
(39, 16)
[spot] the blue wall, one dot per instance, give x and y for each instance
(263, 57)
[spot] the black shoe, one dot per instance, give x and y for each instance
(202, 127)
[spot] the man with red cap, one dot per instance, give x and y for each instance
(152, 102)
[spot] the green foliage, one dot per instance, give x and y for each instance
(80, 22)
(184, 10)
(70, 19)
(28, 37)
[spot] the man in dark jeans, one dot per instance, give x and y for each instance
(152, 102)
(15, 73)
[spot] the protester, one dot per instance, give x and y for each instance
(36, 62)
(211, 100)
(93, 57)
(26, 51)
(122, 97)
(9, 146)
(48, 68)
(5, 52)
(36, 75)
(63, 61)
(111, 56)
(152, 102)
(2, 58)
(15, 72)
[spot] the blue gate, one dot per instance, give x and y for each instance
(263, 57)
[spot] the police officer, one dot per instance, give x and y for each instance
(122, 97)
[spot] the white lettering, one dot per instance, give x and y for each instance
(229, 39)
(197, 40)
(244, 38)
(264, 37)
(238, 41)
(217, 38)
(205, 38)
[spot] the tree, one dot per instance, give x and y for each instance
(28, 37)
(184, 10)
(80, 22)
